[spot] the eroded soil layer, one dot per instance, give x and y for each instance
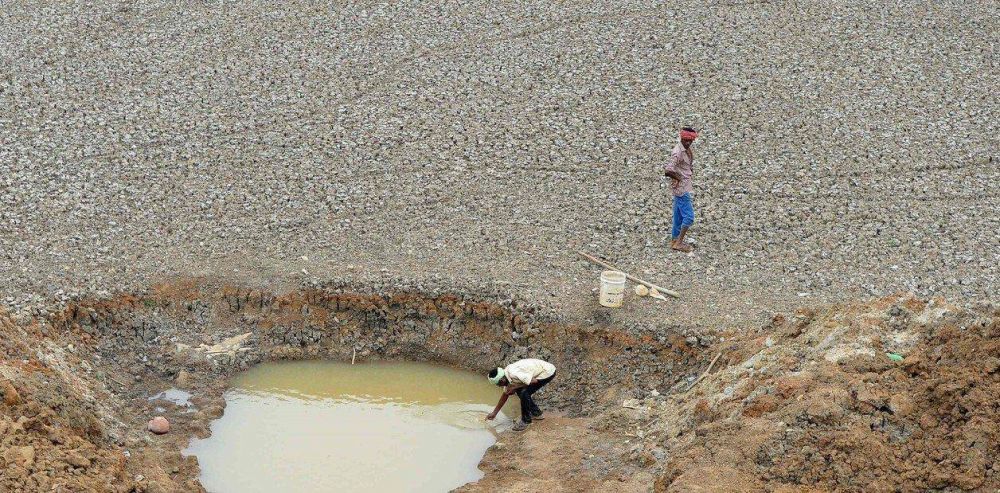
(809, 400)
(812, 400)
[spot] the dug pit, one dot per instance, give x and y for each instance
(174, 349)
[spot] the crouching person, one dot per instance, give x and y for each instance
(523, 378)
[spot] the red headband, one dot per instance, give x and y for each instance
(688, 135)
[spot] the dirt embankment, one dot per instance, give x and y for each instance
(813, 401)
(52, 435)
(807, 401)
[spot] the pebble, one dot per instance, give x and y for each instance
(159, 425)
(76, 460)
(10, 395)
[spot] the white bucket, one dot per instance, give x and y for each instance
(612, 288)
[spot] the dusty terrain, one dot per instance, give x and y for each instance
(411, 179)
(849, 149)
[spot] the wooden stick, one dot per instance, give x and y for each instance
(632, 278)
(354, 353)
(710, 365)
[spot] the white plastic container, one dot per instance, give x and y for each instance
(612, 288)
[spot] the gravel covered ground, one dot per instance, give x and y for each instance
(849, 149)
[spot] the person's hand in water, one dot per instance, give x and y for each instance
(491, 416)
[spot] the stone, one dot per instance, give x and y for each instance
(75, 459)
(901, 405)
(22, 456)
(10, 395)
(183, 378)
(159, 425)
(632, 404)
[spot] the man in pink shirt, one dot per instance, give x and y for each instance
(680, 169)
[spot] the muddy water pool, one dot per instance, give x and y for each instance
(326, 426)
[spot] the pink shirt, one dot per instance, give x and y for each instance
(681, 164)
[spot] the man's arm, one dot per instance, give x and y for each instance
(503, 400)
(672, 174)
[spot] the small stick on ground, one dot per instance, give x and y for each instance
(710, 365)
(354, 352)
(630, 277)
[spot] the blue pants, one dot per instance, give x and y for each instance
(683, 214)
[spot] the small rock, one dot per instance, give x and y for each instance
(183, 378)
(632, 404)
(76, 460)
(22, 456)
(10, 395)
(159, 425)
(900, 405)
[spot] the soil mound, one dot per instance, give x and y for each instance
(52, 435)
(814, 400)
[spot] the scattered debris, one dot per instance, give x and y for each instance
(628, 276)
(706, 372)
(655, 293)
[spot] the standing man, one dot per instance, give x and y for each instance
(680, 168)
(524, 378)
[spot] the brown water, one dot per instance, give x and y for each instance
(325, 426)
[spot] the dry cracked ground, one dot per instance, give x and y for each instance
(849, 151)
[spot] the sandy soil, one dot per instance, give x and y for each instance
(560, 455)
(813, 401)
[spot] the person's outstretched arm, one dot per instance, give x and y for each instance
(503, 400)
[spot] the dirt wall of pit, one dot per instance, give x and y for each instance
(173, 328)
(90, 366)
